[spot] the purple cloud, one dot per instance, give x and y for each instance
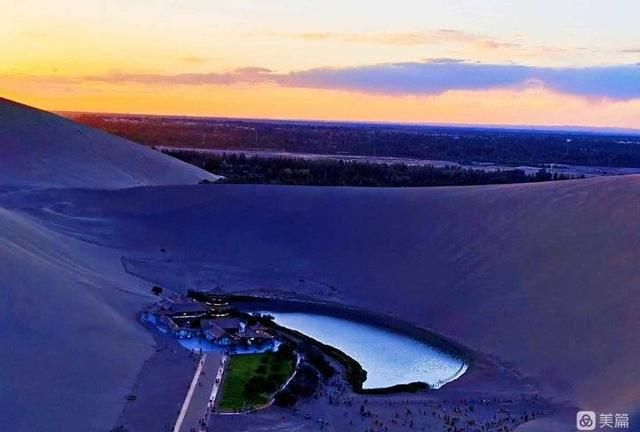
(432, 77)
(614, 82)
(436, 77)
(421, 78)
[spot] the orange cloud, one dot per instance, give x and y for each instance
(440, 36)
(195, 59)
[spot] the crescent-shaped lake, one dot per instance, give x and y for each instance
(390, 358)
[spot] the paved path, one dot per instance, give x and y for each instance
(202, 393)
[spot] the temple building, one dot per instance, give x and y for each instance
(178, 317)
(213, 321)
(235, 332)
(218, 306)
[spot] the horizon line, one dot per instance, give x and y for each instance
(613, 130)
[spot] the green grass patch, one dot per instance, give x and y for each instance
(250, 380)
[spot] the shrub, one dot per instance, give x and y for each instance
(304, 384)
(318, 360)
(285, 352)
(255, 385)
(286, 399)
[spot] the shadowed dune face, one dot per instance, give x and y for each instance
(543, 277)
(70, 345)
(42, 150)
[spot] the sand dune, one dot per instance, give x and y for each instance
(542, 277)
(70, 346)
(41, 150)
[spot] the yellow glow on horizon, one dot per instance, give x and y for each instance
(509, 107)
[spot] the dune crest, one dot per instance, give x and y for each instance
(43, 150)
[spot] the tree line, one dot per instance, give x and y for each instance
(240, 169)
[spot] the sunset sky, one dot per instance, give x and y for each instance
(525, 62)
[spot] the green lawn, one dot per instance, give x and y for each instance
(250, 380)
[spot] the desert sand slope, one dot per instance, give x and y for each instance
(41, 150)
(71, 349)
(542, 277)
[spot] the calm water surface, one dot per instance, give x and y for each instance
(388, 357)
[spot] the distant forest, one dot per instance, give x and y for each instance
(239, 169)
(462, 145)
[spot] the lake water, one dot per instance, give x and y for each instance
(388, 357)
